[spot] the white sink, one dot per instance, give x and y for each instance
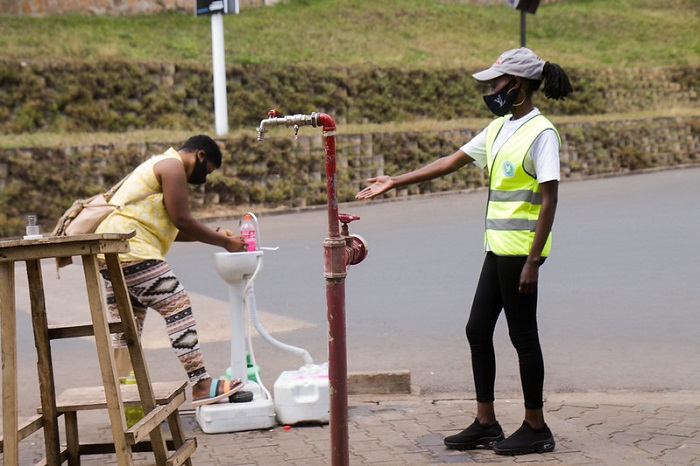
(233, 266)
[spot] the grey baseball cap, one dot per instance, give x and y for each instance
(516, 62)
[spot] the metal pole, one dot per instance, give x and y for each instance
(335, 258)
(217, 46)
(337, 372)
(522, 28)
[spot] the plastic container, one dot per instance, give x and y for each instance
(133, 413)
(252, 369)
(303, 395)
(223, 417)
(248, 232)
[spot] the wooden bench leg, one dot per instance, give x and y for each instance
(47, 390)
(110, 381)
(177, 432)
(10, 423)
(138, 359)
(72, 439)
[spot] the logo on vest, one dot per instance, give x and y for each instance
(508, 169)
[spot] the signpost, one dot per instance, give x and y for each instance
(216, 9)
(209, 7)
(525, 6)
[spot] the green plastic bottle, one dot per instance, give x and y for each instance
(133, 413)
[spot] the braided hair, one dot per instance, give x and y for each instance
(556, 82)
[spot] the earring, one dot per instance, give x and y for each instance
(521, 102)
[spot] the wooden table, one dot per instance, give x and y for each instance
(31, 251)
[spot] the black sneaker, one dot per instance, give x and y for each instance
(526, 440)
(474, 436)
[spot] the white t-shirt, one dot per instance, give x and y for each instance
(543, 160)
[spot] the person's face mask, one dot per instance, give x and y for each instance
(199, 174)
(502, 101)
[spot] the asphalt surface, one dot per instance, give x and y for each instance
(616, 300)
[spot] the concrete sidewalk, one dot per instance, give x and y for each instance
(589, 428)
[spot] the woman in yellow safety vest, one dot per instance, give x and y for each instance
(520, 150)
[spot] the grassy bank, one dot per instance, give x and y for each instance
(439, 33)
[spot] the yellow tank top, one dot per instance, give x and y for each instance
(155, 232)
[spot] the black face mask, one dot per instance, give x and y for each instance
(199, 173)
(502, 101)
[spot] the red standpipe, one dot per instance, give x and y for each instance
(339, 251)
(335, 271)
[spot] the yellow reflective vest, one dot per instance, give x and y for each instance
(514, 194)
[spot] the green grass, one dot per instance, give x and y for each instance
(401, 33)
(434, 33)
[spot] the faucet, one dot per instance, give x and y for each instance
(294, 121)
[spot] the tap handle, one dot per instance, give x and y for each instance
(273, 113)
(347, 218)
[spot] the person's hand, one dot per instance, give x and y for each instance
(380, 184)
(529, 277)
(235, 243)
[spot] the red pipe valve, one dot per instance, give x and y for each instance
(356, 248)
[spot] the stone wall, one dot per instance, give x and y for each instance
(106, 7)
(117, 7)
(118, 96)
(284, 172)
(494, 2)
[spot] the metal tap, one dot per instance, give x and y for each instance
(356, 247)
(294, 121)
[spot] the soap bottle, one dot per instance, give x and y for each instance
(32, 228)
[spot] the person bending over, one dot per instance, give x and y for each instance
(159, 218)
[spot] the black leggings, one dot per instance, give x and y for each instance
(497, 290)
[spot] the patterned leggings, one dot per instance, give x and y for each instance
(153, 284)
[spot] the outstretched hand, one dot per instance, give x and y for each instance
(380, 184)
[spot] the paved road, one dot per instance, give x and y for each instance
(602, 429)
(617, 307)
(617, 301)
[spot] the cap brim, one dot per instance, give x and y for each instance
(487, 75)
